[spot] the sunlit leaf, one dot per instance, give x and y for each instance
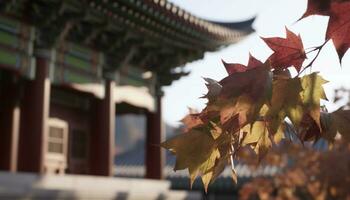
(312, 93)
(192, 149)
(288, 51)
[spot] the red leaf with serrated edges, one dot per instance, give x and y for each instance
(317, 7)
(287, 51)
(251, 82)
(236, 67)
(232, 68)
(339, 27)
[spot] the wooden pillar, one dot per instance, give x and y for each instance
(102, 137)
(9, 122)
(35, 112)
(154, 136)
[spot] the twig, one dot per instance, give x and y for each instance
(315, 49)
(318, 49)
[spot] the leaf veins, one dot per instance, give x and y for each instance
(288, 51)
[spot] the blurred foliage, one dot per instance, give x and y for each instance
(306, 173)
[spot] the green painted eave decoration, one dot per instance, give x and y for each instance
(133, 76)
(132, 81)
(16, 43)
(19, 62)
(10, 25)
(159, 24)
(16, 28)
(78, 63)
(80, 58)
(81, 52)
(63, 75)
(73, 77)
(9, 58)
(8, 39)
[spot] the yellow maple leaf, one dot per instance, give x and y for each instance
(312, 93)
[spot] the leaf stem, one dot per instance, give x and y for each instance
(314, 49)
(231, 157)
(318, 49)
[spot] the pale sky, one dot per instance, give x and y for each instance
(272, 17)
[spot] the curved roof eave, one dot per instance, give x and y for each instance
(241, 25)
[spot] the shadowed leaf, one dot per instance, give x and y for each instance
(339, 27)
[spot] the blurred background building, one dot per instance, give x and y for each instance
(71, 74)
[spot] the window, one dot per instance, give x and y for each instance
(57, 146)
(56, 140)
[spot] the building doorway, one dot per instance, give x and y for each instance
(74, 108)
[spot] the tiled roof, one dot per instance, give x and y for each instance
(154, 35)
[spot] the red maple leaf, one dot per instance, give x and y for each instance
(339, 27)
(252, 82)
(236, 67)
(317, 7)
(287, 51)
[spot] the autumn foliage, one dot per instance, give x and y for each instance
(255, 104)
(305, 173)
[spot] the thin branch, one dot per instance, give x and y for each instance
(318, 49)
(315, 49)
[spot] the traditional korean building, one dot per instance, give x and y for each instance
(68, 68)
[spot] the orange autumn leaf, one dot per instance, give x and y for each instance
(191, 120)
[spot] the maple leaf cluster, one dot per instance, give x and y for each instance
(254, 104)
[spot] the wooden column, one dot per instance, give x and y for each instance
(9, 122)
(154, 136)
(34, 116)
(102, 137)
